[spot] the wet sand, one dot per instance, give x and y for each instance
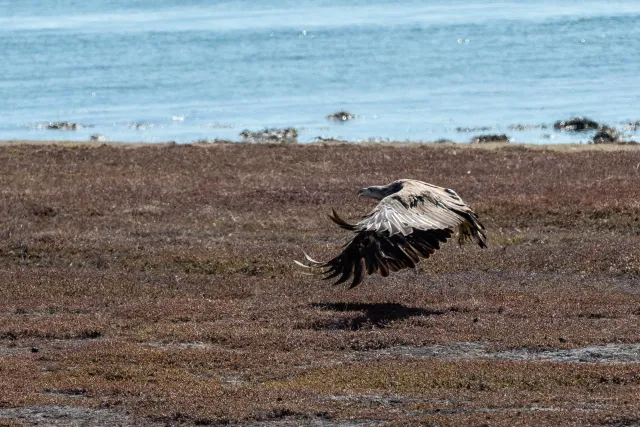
(154, 285)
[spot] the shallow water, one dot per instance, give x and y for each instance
(158, 71)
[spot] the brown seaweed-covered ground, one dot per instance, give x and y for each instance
(154, 285)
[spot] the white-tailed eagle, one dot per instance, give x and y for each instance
(409, 223)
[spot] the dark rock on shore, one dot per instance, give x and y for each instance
(341, 116)
(606, 135)
(609, 135)
(576, 124)
(490, 138)
(271, 135)
(64, 126)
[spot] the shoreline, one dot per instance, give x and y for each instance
(571, 147)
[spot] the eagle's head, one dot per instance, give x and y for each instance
(379, 192)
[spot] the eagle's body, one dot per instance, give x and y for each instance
(409, 223)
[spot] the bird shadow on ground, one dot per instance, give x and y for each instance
(377, 315)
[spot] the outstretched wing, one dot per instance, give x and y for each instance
(402, 229)
(421, 206)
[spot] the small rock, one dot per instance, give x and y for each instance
(97, 138)
(271, 135)
(323, 139)
(562, 339)
(475, 320)
(63, 126)
(490, 138)
(606, 135)
(341, 116)
(34, 349)
(576, 124)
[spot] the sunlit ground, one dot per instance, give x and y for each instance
(155, 285)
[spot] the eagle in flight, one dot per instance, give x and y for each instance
(409, 223)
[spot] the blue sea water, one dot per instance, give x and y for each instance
(409, 70)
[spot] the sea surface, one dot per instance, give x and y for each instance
(409, 70)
